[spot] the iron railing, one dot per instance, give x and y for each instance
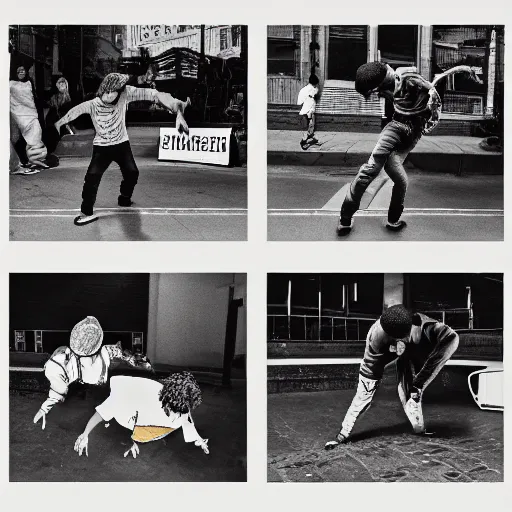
(333, 328)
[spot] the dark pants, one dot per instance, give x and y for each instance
(308, 126)
(102, 157)
(396, 141)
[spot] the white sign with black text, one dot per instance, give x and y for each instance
(202, 145)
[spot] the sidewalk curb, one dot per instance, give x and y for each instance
(489, 164)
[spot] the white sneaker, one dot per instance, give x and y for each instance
(414, 413)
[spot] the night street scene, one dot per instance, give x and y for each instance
(424, 350)
(128, 132)
(127, 378)
(383, 133)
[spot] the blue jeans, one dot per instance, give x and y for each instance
(396, 141)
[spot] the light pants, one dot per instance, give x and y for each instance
(428, 366)
(29, 128)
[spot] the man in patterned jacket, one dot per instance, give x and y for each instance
(420, 345)
(417, 108)
(111, 144)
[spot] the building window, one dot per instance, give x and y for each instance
(223, 38)
(398, 45)
(19, 341)
(454, 46)
(348, 49)
(235, 35)
(283, 50)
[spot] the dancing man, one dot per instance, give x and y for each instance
(420, 346)
(85, 361)
(150, 409)
(111, 144)
(417, 107)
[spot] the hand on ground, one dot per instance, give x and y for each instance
(134, 451)
(40, 414)
(81, 444)
(203, 443)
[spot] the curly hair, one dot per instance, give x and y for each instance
(369, 76)
(397, 321)
(180, 394)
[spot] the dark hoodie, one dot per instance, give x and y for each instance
(427, 336)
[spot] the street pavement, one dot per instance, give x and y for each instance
(48, 455)
(172, 201)
(304, 202)
(464, 443)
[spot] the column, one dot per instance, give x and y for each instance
(373, 50)
(424, 59)
(491, 76)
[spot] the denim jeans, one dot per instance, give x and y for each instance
(396, 141)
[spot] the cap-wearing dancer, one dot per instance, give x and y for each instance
(85, 361)
(417, 107)
(150, 409)
(111, 144)
(420, 346)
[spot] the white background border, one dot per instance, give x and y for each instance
(255, 257)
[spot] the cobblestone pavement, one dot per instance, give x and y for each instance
(464, 443)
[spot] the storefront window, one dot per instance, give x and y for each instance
(283, 50)
(398, 44)
(348, 47)
(454, 46)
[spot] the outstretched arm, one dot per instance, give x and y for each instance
(83, 108)
(191, 435)
(458, 69)
(82, 441)
(175, 106)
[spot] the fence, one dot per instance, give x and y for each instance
(47, 340)
(281, 327)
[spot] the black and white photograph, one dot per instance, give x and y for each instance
(127, 378)
(385, 132)
(128, 132)
(385, 377)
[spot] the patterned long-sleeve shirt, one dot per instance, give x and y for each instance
(416, 97)
(109, 120)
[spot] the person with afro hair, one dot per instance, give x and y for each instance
(419, 346)
(150, 409)
(111, 144)
(417, 107)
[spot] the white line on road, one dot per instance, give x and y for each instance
(469, 212)
(337, 199)
(67, 212)
(357, 360)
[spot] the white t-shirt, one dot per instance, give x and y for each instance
(306, 98)
(134, 401)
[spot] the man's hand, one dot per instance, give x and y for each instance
(81, 444)
(340, 439)
(57, 126)
(40, 414)
(181, 124)
(203, 443)
(134, 451)
(474, 76)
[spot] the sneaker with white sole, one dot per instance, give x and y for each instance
(414, 413)
(339, 439)
(82, 219)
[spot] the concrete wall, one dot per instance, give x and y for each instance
(187, 318)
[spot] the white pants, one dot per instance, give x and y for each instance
(29, 128)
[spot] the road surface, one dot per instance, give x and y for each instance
(304, 202)
(171, 202)
(465, 445)
(47, 455)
